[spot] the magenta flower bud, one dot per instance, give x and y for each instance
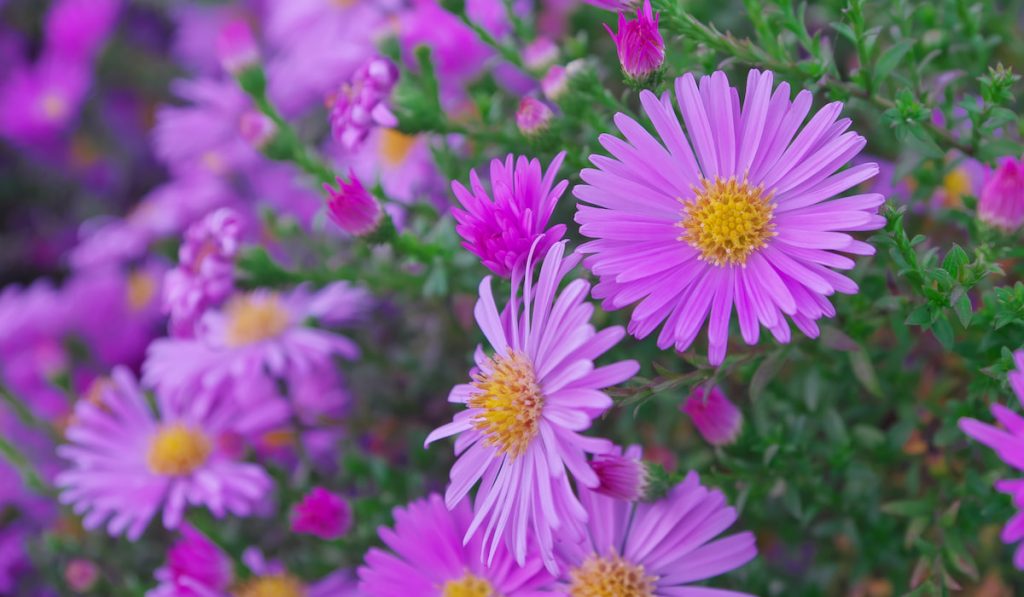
(256, 128)
(236, 47)
(533, 116)
(540, 54)
(717, 419)
(363, 103)
(639, 43)
(621, 476)
(81, 575)
(323, 514)
(1002, 197)
(352, 207)
(555, 82)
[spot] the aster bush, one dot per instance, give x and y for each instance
(503, 298)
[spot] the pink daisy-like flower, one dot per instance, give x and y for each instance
(655, 549)
(428, 557)
(736, 212)
(715, 417)
(622, 475)
(323, 514)
(256, 332)
(526, 405)
(1008, 443)
(501, 231)
(196, 567)
(127, 464)
(1002, 197)
(362, 104)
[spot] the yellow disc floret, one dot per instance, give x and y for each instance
(274, 585)
(727, 221)
(178, 450)
(510, 402)
(610, 576)
(255, 318)
(468, 586)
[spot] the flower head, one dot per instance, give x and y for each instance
(352, 207)
(1002, 197)
(256, 128)
(429, 557)
(195, 566)
(622, 475)
(533, 116)
(75, 29)
(236, 47)
(738, 212)
(540, 54)
(502, 230)
(639, 44)
(555, 82)
(127, 463)
(362, 104)
(647, 549)
(715, 417)
(322, 513)
(81, 575)
(526, 404)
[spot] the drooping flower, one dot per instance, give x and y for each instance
(622, 475)
(428, 557)
(745, 219)
(654, 549)
(639, 44)
(1008, 443)
(362, 104)
(128, 463)
(195, 566)
(501, 230)
(323, 514)
(525, 406)
(1002, 197)
(352, 207)
(533, 116)
(236, 47)
(715, 417)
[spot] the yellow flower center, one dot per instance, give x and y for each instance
(252, 319)
(54, 106)
(510, 401)
(275, 585)
(141, 289)
(956, 184)
(178, 450)
(395, 146)
(610, 577)
(468, 586)
(727, 221)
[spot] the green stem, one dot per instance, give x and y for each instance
(25, 468)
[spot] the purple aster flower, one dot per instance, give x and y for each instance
(352, 207)
(744, 219)
(205, 275)
(75, 29)
(127, 464)
(429, 557)
(964, 176)
(715, 417)
(39, 102)
(525, 406)
(622, 475)
(323, 514)
(236, 47)
(533, 116)
(639, 44)
(196, 567)
(656, 548)
(271, 578)
(1002, 198)
(362, 103)
(402, 164)
(501, 231)
(1008, 443)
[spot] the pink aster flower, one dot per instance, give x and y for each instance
(362, 104)
(555, 82)
(502, 230)
(196, 567)
(75, 29)
(127, 463)
(352, 207)
(1002, 197)
(715, 417)
(533, 116)
(656, 548)
(1008, 443)
(525, 406)
(81, 575)
(39, 102)
(639, 44)
(739, 211)
(323, 514)
(428, 557)
(622, 475)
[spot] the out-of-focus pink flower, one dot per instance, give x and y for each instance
(639, 43)
(323, 514)
(39, 102)
(622, 475)
(195, 566)
(540, 54)
(352, 207)
(1002, 197)
(75, 29)
(256, 128)
(236, 47)
(362, 104)
(715, 417)
(533, 116)
(555, 82)
(81, 574)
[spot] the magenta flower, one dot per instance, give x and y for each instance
(256, 128)
(717, 419)
(622, 475)
(428, 557)
(655, 549)
(540, 54)
(323, 514)
(611, 4)
(81, 575)
(352, 207)
(1008, 443)
(1002, 197)
(533, 116)
(76, 29)
(195, 566)
(236, 47)
(127, 464)
(40, 102)
(525, 406)
(501, 231)
(744, 219)
(362, 104)
(639, 44)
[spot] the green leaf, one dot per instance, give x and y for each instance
(955, 259)
(890, 59)
(962, 308)
(907, 507)
(919, 316)
(766, 371)
(864, 371)
(943, 331)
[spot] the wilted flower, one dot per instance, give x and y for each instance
(715, 417)
(362, 104)
(622, 475)
(1002, 197)
(502, 231)
(352, 207)
(323, 514)
(639, 43)
(533, 116)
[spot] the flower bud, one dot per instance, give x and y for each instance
(256, 128)
(540, 54)
(639, 44)
(81, 575)
(715, 417)
(236, 47)
(352, 207)
(1001, 202)
(555, 82)
(323, 514)
(533, 116)
(621, 476)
